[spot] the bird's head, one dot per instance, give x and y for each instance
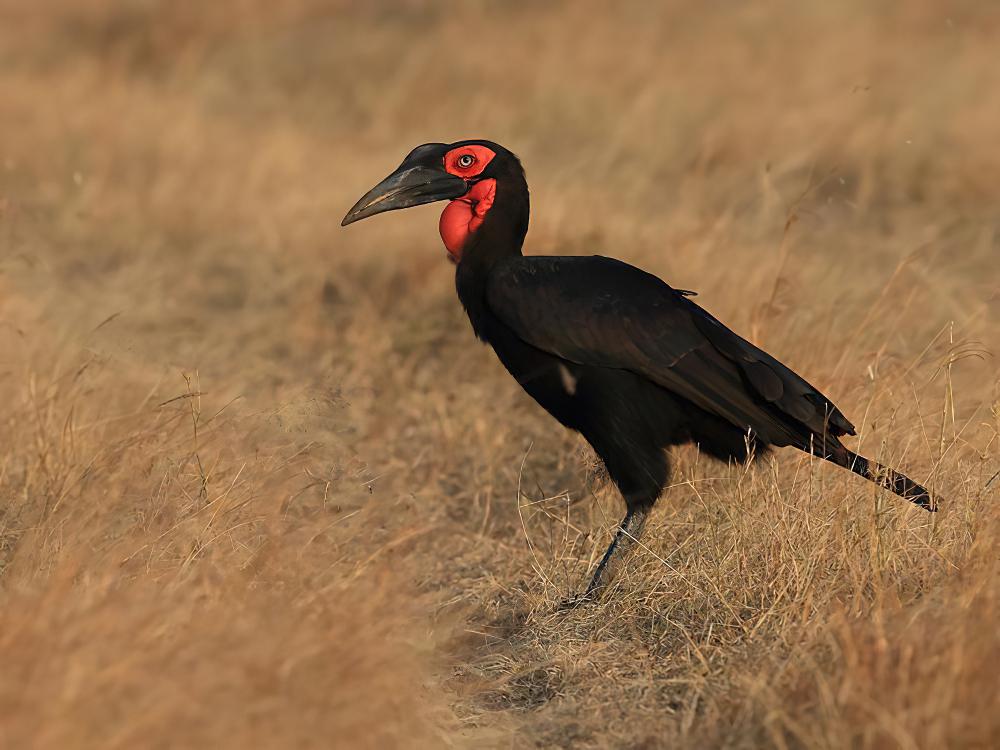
(466, 173)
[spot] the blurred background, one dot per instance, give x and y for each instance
(260, 486)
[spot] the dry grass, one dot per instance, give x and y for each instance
(259, 486)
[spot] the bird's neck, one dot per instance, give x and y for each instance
(500, 237)
(501, 233)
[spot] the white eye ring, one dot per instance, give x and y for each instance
(465, 161)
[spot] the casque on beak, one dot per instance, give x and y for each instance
(406, 187)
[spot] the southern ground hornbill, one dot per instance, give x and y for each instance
(607, 349)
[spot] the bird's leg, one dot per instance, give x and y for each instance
(627, 535)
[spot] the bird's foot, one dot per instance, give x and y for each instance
(578, 600)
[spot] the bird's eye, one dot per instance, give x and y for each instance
(466, 160)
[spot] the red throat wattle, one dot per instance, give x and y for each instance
(463, 216)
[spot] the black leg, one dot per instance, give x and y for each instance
(627, 535)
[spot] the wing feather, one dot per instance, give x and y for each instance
(602, 312)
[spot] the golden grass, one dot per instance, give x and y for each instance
(259, 486)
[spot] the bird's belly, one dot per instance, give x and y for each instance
(551, 381)
(553, 384)
(606, 405)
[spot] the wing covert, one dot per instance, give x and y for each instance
(599, 311)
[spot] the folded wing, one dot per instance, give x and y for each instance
(602, 312)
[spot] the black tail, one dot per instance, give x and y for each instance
(883, 476)
(892, 480)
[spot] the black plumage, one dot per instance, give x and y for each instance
(615, 353)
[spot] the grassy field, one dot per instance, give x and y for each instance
(260, 487)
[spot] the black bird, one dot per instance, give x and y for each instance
(609, 350)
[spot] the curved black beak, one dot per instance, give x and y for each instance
(410, 186)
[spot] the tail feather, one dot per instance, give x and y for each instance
(883, 476)
(892, 480)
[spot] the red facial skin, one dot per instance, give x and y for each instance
(463, 216)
